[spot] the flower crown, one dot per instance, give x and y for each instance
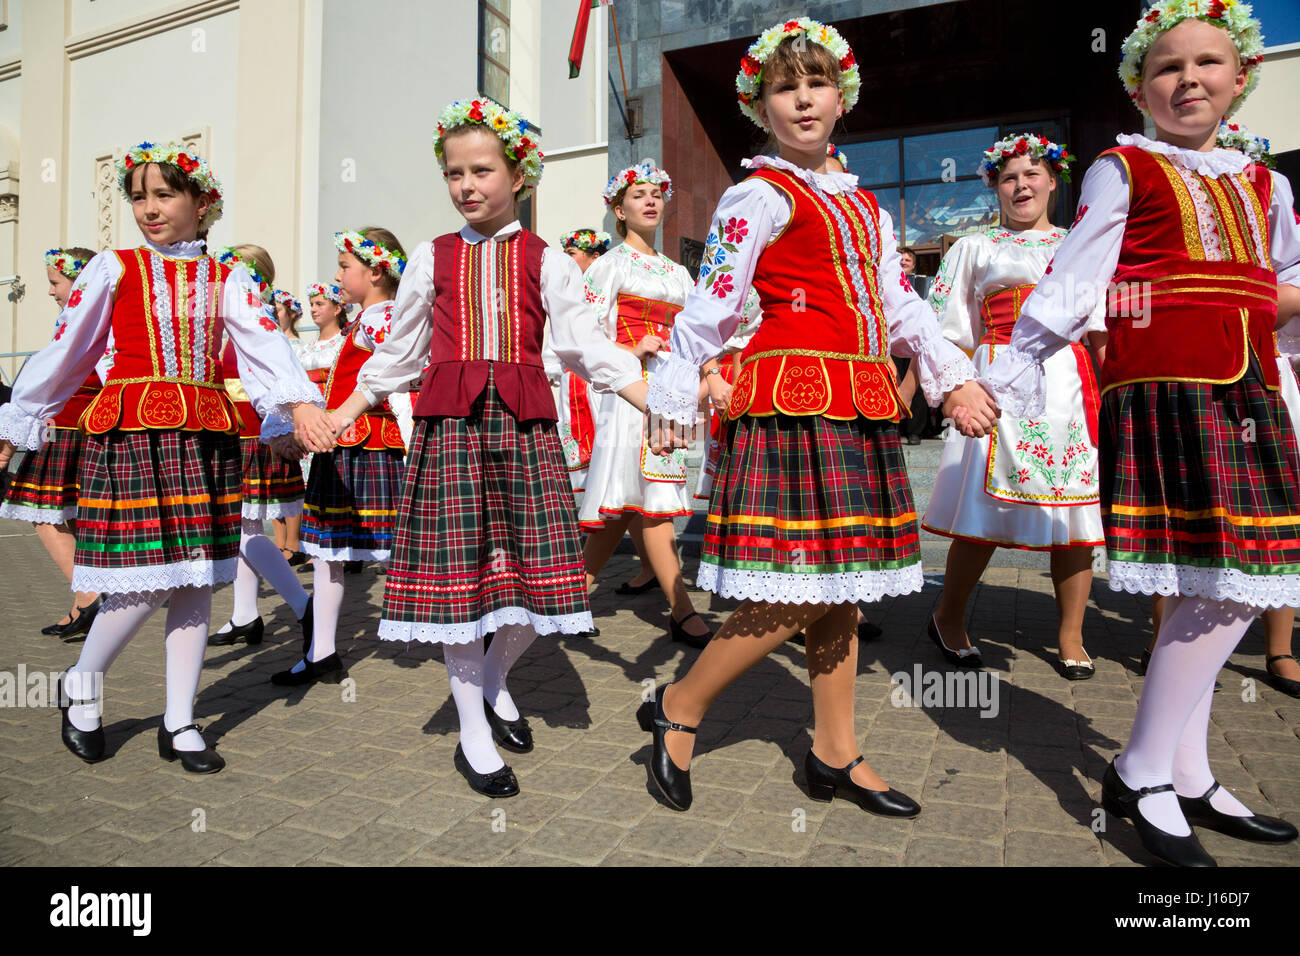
(509, 126)
(835, 153)
(230, 258)
(67, 264)
(586, 240)
(370, 252)
(1232, 15)
(643, 172)
(1025, 144)
(326, 290)
(750, 78)
(192, 166)
(1232, 136)
(282, 297)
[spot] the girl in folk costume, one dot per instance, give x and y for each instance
(811, 510)
(44, 489)
(1200, 491)
(487, 540)
(635, 292)
(577, 424)
(325, 301)
(1032, 483)
(352, 491)
(288, 529)
(272, 486)
(288, 311)
(158, 514)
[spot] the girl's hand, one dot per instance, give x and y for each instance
(6, 453)
(650, 345)
(719, 392)
(980, 412)
(287, 447)
(312, 427)
(663, 435)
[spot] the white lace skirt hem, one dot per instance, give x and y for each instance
(162, 577)
(470, 631)
(774, 587)
(38, 515)
(1217, 584)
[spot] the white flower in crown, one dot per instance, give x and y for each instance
(326, 290)
(508, 125)
(1232, 136)
(283, 297)
(750, 78)
(176, 155)
(1232, 15)
(64, 263)
(229, 258)
(1025, 144)
(586, 240)
(643, 172)
(370, 252)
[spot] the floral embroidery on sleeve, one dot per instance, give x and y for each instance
(1078, 216)
(714, 265)
(267, 319)
(902, 280)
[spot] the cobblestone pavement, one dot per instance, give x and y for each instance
(362, 773)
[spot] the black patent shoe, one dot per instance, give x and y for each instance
(1076, 670)
(1201, 813)
(826, 783)
(86, 744)
(673, 782)
(675, 630)
(967, 657)
(80, 624)
(1285, 684)
(499, 784)
(627, 587)
(1119, 800)
(57, 628)
(306, 622)
(515, 735)
(206, 760)
(250, 633)
(329, 669)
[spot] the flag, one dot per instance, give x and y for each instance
(579, 43)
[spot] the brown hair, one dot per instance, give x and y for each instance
(1051, 197)
(78, 252)
(389, 241)
(512, 164)
(260, 258)
(173, 176)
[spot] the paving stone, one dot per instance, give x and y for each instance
(673, 836)
(944, 851)
(337, 816)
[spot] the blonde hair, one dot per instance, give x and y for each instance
(389, 241)
(260, 258)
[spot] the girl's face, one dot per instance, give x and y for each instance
(1189, 78)
(283, 316)
(324, 312)
(481, 185)
(60, 286)
(581, 256)
(801, 111)
(355, 278)
(1024, 187)
(165, 215)
(642, 207)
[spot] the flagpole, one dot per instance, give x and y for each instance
(613, 19)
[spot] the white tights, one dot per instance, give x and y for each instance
(327, 601)
(260, 558)
(476, 676)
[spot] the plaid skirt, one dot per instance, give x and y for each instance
(349, 508)
(158, 510)
(273, 486)
(811, 510)
(487, 533)
(1200, 491)
(44, 488)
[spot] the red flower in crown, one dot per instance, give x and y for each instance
(791, 25)
(847, 61)
(185, 163)
(74, 299)
(267, 323)
(476, 111)
(1152, 17)
(750, 65)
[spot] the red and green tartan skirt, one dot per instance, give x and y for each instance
(273, 486)
(811, 510)
(158, 510)
(487, 532)
(1200, 491)
(351, 503)
(44, 489)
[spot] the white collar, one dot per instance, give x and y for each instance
(179, 250)
(473, 236)
(826, 182)
(374, 309)
(1214, 162)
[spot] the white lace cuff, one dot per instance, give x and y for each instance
(941, 367)
(274, 427)
(21, 429)
(285, 395)
(674, 391)
(1016, 383)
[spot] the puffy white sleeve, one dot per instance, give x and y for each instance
(272, 375)
(401, 356)
(748, 216)
(577, 341)
(54, 374)
(601, 284)
(1284, 232)
(1063, 304)
(913, 329)
(751, 317)
(952, 296)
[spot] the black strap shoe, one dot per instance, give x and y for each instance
(1201, 813)
(826, 783)
(306, 622)
(250, 633)
(515, 735)
(498, 785)
(1076, 670)
(206, 760)
(1285, 684)
(80, 624)
(1119, 800)
(627, 587)
(673, 782)
(676, 632)
(328, 669)
(86, 744)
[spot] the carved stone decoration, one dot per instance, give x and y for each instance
(106, 199)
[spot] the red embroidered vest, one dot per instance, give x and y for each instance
(250, 426)
(1194, 293)
(376, 429)
(638, 317)
(70, 415)
(167, 328)
(461, 355)
(823, 347)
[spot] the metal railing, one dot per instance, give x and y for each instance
(23, 355)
